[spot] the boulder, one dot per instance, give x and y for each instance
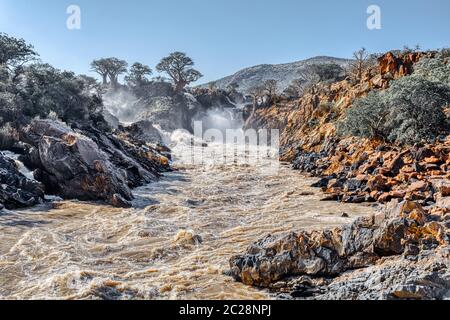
(72, 165)
(332, 252)
(16, 190)
(145, 132)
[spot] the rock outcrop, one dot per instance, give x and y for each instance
(16, 190)
(88, 164)
(356, 170)
(402, 253)
(403, 232)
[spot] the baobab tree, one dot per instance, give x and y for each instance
(109, 67)
(100, 66)
(116, 67)
(179, 68)
(137, 76)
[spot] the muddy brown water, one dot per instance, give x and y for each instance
(77, 250)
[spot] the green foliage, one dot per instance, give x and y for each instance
(15, 52)
(437, 70)
(179, 68)
(137, 76)
(410, 111)
(110, 68)
(41, 90)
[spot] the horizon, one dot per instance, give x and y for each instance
(220, 46)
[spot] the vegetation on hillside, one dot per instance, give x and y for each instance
(411, 111)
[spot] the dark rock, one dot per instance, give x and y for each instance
(388, 239)
(118, 201)
(16, 190)
(326, 253)
(72, 165)
(411, 250)
(339, 251)
(145, 132)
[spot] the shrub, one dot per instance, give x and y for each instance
(366, 117)
(436, 69)
(42, 89)
(410, 111)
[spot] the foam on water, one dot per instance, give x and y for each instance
(174, 245)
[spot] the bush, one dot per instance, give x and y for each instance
(42, 89)
(366, 117)
(436, 69)
(410, 111)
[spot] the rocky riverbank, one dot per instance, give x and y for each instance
(82, 163)
(403, 252)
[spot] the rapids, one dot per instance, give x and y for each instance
(173, 244)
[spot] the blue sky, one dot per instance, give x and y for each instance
(222, 36)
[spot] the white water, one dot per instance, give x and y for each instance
(20, 166)
(174, 244)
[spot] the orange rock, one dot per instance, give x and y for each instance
(418, 216)
(385, 197)
(397, 194)
(361, 177)
(375, 195)
(436, 230)
(418, 186)
(407, 169)
(432, 160)
(377, 182)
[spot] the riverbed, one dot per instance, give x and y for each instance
(174, 243)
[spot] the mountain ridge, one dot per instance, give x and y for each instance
(284, 73)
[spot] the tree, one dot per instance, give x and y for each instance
(256, 93)
(179, 68)
(270, 88)
(116, 67)
(311, 79)
(90, 83)
(15, 52)
(110, 67)
(42, 90)
(101, 67)
(137, 76)
(359, 65)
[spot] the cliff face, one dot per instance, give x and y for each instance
(310, 122)
(357, 170)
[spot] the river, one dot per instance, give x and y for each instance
(174, 243)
